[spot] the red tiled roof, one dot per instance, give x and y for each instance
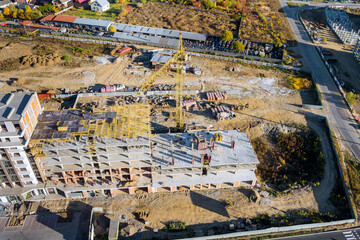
(43, 27)
(48, 18)
(64, 18)
(25, 22)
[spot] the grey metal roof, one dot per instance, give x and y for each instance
(158, 58)
(141, 38)
(102, 3)
(93, 22)
(159, 32)
(12, 105)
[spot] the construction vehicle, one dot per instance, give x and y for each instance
(178, 58)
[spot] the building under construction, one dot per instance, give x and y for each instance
(111, 151)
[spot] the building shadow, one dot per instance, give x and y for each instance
(209, 204)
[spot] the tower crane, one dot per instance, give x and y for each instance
(178, 59)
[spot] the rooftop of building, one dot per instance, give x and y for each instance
(184, 148)
(39, 226)
(160, 58)
(65, 18)
(102, 2)
(114, 122)
(13, 105)
(93, 22)
(48, 18)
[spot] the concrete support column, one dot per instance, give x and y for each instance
(85, 194)
(253, 182)
(173, 188)
(131, 190)
(152, 189)
(112, 192)
(236, 184)
(64, 176)
(120, 174)
(218, 185)
(191, 187)
(131, 173)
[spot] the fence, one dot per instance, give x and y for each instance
(245, 61)
(110, 41)
(147, 93)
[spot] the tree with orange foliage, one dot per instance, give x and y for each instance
(7, 11)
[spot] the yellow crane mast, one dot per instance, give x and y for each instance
(178, 59)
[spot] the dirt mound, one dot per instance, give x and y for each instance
(37, 61)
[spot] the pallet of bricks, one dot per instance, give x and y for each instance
(219, 109)
(216, 96)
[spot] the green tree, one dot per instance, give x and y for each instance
(227, 36)
(15, 14)
(278, 43)
(21, 14)
(209, 4)
(35, 15)
(12, 7)
(112, 28)
(238, 46)
(324, 40)
(351, 97)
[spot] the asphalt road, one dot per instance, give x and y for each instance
(335, 108)
(349, 234)
(334, 4)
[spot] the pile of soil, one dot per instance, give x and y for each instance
(37, 61)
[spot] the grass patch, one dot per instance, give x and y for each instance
(290, 4)
(176, 226)
(289, 159)
(110, 14)
(298, 83)
(264, 21)
(181, 17)
(353, 169)
(82, 49)
(293, 218)
(11, 64)
(42, 50)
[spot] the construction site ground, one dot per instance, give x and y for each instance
(345, 65)
(270, 101)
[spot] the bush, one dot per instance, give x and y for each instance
(351, 97)
(227, 36)
(176, 226)
(65, 58)
(298, 83)
(238, 46)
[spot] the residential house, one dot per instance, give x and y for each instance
(100, 6)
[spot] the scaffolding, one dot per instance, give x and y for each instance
(86, 129)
